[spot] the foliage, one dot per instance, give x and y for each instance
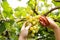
(11, 20)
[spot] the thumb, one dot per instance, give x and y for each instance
(28, 26)
(23, 27)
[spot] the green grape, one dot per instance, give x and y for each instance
(33, 31)
(28, 17)
(31, 28)
(34, 21)
(34, 27)
(32, 34)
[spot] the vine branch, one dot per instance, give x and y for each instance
(34, 10)
(51, 10)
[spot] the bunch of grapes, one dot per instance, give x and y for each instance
(35, 24)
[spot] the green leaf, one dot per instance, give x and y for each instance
(20, 11)
(56, 3)
(7, 10)
(2, 27)
(4, 0)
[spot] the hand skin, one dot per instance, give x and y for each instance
(24, 32)
(52, 25)
(55, 28)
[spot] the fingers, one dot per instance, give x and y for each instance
(23, 27)
(28, 26)
(44, 21)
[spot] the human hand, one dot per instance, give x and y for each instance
(48, 22)
(24, 30)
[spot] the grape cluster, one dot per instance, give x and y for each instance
(35, 22)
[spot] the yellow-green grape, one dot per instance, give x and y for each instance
(33, 18)
(34, 27)
(30, 20)
(30, 12)
(28, 16)
(37, 29)
(37, 16)
(31, 28)
(34, 22)
(32, 34)
(33, 31)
